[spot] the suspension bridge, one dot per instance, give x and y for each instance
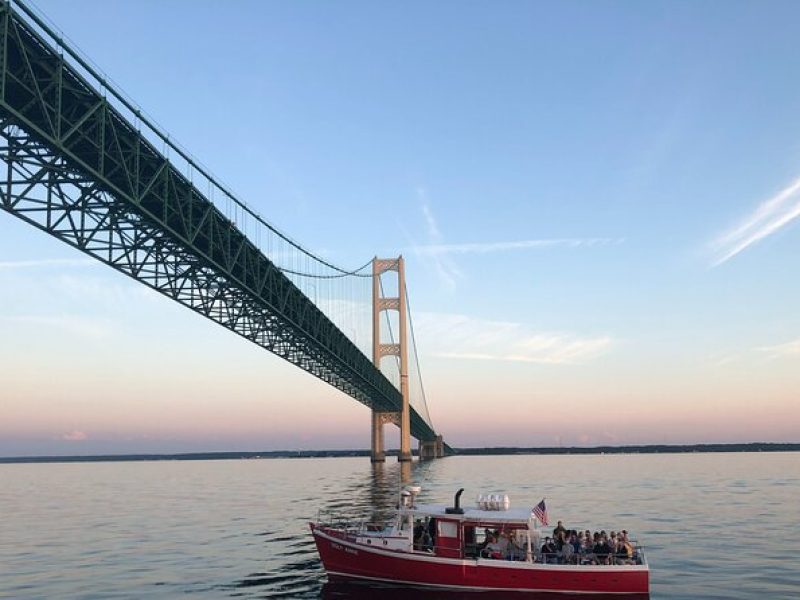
(85, 164)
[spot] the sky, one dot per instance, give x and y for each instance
(598, 204)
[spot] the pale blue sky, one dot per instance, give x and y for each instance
(616, 140)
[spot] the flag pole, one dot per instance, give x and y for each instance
(528, 553)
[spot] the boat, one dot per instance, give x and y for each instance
(455, 548)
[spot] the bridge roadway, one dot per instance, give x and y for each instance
(78, 169)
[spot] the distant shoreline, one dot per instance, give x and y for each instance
(493, 451)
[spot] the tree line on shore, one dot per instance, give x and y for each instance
(488, 451)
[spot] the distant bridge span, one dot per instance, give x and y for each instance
(83, 164)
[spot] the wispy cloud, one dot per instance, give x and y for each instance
(439, 254)
(446, 269)
(488, 247)
(46, 262)
(430, 220)
(757, 354)
(782, 350)
(462, 337)
(75, 436)
(769, 217)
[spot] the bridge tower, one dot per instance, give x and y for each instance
(380, 349)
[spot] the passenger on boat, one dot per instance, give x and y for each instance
(559, 529)
(426, 543)
(592, 542)
(601, 549)
(502, 541)
(419, 534)
(514, 550)
(493, 548)
(575, 540)
(586, 549)
(558, 540)
(567, 551)
(430, 535)
(549, 552)
(624, 552)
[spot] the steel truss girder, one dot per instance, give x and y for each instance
(77, 169)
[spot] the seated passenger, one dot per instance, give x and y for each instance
(624, 555)
(575, 540)
(548, 551)
(602, 550)
(567, 553)
(502, 541)
(592, 547)
(492, 549)
(585, 551)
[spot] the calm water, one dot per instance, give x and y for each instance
(721, 526)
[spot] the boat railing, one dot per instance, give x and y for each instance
(347, 523)
(337, 520)
(591, 559)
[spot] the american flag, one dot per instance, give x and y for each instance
(540, 512)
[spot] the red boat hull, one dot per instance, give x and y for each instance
(343, 558)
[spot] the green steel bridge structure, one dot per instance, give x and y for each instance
(84, 164)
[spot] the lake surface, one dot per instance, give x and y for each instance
(723, 526)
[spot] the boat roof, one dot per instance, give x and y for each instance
(520, 515)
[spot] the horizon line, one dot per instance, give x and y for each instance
(711, 447)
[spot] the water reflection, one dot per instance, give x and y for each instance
(209, 529)
(374, 493)
(346, 590)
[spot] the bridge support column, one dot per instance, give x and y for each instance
(378, 452)
(379, 350)
(379, 419)
(432, 449)
(427, 450)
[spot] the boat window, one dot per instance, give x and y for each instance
(469, 541)
(480, 536)
(448, 529)
(469, 534)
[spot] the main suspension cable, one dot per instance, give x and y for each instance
(354, 273)
(416, 359)
(107, 85)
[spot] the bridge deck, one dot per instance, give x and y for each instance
(78, 169)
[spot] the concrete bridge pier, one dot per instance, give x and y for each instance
(431, 450)
(379, 419)
(378, 454)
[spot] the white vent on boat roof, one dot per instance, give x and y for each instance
(494, 502)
